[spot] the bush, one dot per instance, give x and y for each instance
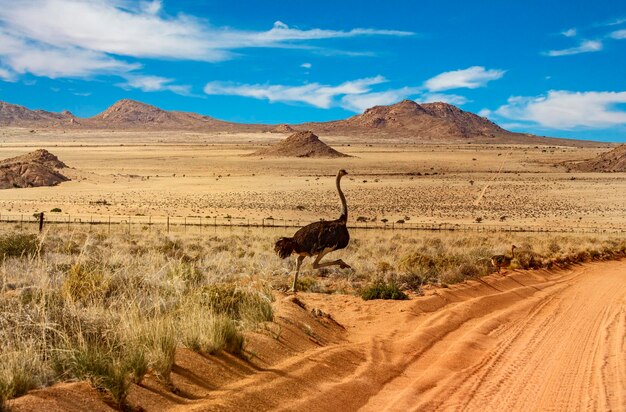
(18, 245)
(383, 290)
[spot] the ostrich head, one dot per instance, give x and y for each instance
(342, 172)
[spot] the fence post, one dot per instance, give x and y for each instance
(68, 222)
(168, 223)
(185, 224)
(129, 225)
(109, 225)
(21, 222)
(40, 222)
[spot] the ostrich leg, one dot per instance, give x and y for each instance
(338, 262)
(295, 278)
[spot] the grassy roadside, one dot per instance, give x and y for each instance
(110, 309)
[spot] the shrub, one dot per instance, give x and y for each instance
(18, 244)
(383, 290)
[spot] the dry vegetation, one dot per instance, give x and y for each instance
(111, 309)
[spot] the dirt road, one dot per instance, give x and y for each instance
(527, 341)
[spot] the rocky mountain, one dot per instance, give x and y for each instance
(300, 144)
(612, 161)
(38, 168)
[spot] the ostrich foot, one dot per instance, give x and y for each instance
(344, 265)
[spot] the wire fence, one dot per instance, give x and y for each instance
(199, 224)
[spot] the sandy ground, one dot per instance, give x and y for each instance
(191, 174)
(530, 340)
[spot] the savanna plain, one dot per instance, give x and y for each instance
(197, 317)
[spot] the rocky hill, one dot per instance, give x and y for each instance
(300, 144)
(424, 122)
(38, 168)
(20, 116)
(612, 161)
(130, 114)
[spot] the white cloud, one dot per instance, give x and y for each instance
(354, 95)
(306, 65)
(455, 99)
(154, 84)
(151, 7)
(614, 22)
(470, 78)
(6, 75)
(314, 94)
(484, 112)
(619, 34)
(586, 46)
(116, 27)
(570, 32)
(561, 109)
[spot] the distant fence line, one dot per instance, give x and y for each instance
(166, 223)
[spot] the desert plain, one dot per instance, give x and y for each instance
(210, 175)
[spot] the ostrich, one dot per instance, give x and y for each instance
(500, 261)
(318, 239)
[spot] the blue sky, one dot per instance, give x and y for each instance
(550, 68)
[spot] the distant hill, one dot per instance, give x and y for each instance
(130, 114)
(406, 120)
(428, 122)
(20, 116)
(38, 168)
(612, 161)
(300, 144)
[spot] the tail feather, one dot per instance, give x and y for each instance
(285, 247)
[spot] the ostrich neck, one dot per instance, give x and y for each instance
(512, 252)
(344, 205)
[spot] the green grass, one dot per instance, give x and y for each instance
(383, 290)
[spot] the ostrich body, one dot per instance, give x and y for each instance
(501, 261)
(318, 239)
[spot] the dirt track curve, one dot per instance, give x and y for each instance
(528, 341)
